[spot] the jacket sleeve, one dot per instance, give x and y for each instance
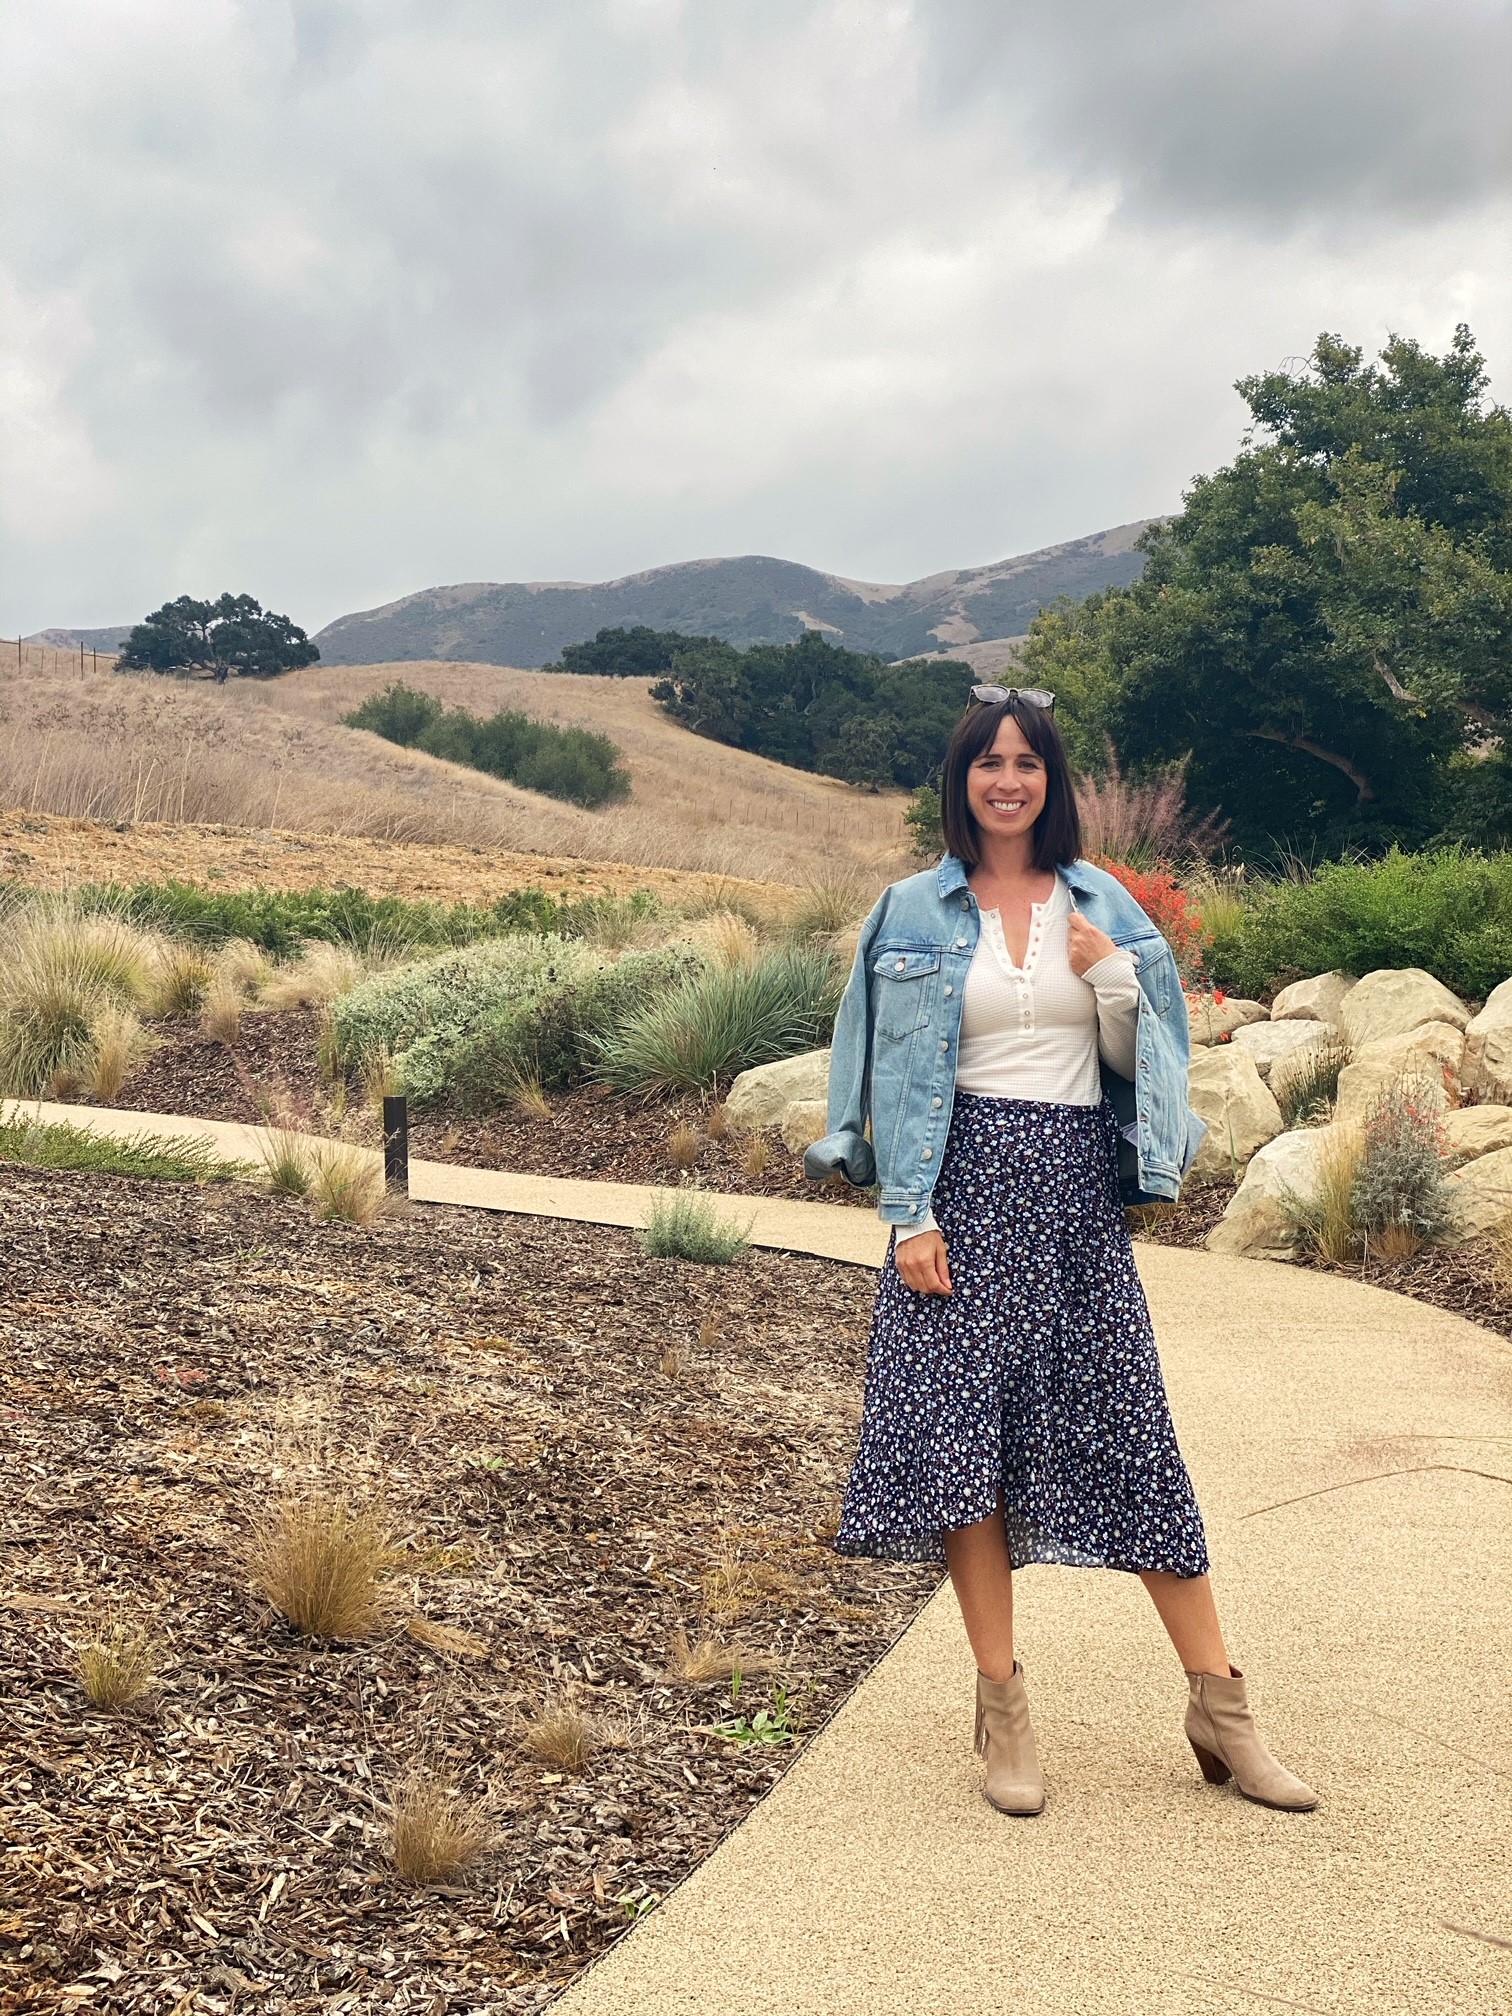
(845, 1150)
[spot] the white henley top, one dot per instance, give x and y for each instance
(1036, 1031)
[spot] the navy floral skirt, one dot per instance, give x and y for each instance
(1036, 1377)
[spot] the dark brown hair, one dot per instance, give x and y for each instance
(1057, 831)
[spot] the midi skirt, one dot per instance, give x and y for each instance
(1037, 1378)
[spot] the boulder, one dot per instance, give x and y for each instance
(1212, 1020)
(1477, 1130)
(1395, 1000)
(1269, 1042)
(805, 1121)
(1429, 1056)
(1482, 1193)
(1488, 1047)
(1316, 1000)
(761, 1096)
(1258, 1224)
(1226, 1090)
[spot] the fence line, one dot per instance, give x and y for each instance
(23, 655)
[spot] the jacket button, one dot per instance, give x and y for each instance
(937, 1104)
(925, 1154)
(950, 990)
(944, 1042)
(960, 945)
(965, 902)
(901, 964)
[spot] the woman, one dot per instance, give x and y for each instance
(1015, 1032)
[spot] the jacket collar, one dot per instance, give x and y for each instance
(951, 876)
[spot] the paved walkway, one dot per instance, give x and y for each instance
(1353, 1455)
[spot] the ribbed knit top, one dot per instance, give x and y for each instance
(1036, 1031)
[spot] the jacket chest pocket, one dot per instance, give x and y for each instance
(904, 982)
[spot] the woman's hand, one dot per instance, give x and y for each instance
(1085, 944)
(921, 1262)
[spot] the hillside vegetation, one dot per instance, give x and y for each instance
(275, 757)
(745, 601)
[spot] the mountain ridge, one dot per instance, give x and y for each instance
(977, 613)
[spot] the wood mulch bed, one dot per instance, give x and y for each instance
(591, 1131)
(580, 1449)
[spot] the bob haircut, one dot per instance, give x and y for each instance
(1057, 831)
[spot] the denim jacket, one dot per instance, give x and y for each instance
(893, 1060)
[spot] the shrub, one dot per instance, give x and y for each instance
(1400, 1199)
(571, 763)
(436, 1833)
(722, 1021)
(1169, 909)
(56, 1145)
(924, 819)
(1449, 911)
(686, 1226)
(317, 1560)
(826, 907)
(281, 921)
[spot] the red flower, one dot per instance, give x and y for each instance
(1219, 997)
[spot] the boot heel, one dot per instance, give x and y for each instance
(1214, 1769)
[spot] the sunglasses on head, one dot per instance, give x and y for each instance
(993, 696)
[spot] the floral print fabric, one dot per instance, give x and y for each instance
(1037, 1377)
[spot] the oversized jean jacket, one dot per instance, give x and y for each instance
(893, 1061)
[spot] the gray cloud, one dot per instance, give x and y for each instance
(1290, 113)
(336, 298)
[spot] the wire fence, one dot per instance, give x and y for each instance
(25, 655)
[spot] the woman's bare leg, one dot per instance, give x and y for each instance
(982, 1576)
(1190, 1616)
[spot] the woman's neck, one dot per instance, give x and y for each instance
(1006, 861)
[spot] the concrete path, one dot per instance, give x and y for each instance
(832, 1231)
(1353, 1455)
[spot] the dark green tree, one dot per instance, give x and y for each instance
(216, 639)
(637, 653)
(1327, 626)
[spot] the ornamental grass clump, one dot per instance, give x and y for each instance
(1305, 1085)
(436, 1832)
(317, 1559)
(117, 1660)
(61, 970)
(722, 1021)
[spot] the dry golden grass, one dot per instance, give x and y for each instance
(436, 1833)
(1334, 1231)
(118, 1661)
(320, 975)
(717, 1122)
(221, 1011)
(317, 1559)
(181, 978)
(675, 1360)
(524, 1091)
(733, 1585)
(346, 1182)
(709, 1330)
(757, 1158)
(120, 1043)
(274, 755)
(827, 1520)
(710, 1659)
(684, 1145)
(447, 1638)
(560, 1735)
(242, 967)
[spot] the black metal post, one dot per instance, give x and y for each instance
(396, 1146)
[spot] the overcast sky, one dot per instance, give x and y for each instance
(330, 300)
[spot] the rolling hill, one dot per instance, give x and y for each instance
(974, 612)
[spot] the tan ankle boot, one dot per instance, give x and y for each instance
(1015, 1783)
(1221, 1729)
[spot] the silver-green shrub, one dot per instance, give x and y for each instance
(1400, 1191)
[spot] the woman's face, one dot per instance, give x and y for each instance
(1006, 784)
